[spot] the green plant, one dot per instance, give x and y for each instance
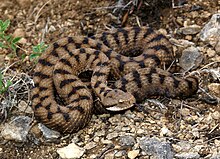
(7, 41)
(4, 85)
(38, 50)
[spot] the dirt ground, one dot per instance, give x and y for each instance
(191, 120)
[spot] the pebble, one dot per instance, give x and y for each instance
(127, 141)
(23, 107)
(71, 151)
(190, 30)
(49, 134)
(191, 58)
(103, 141)
(188, 155)
(112, 135)
(133, 154)
(17, 129)
(184, 112)
(90, 145)
(214, 89)
(182, 146)
(210, 52)
(216, 115)
(19, 33)
(109, 156)
(210, 32)
(165, 131)
(120, 153)
(153, 146)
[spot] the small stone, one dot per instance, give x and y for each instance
(109, 155)
(140, 131)
(188, 155)
(162, 31)
(71, 151)
(182, 146)
(190, 30)
(90, 145)
(19, 33)
(214, 89)
(210, 52)
(133, 154)
(96, 139)
(210, 32)
(112, 135)
(100, 133)
(106, 141)
(17, 129)
(153, 146)
(191, 58)
(184, 112)
(188, 37)
(216, 115)
(165, 131)
(92, 156)
(127, 141)
(23, 107)
(119, 153)
(49, 134)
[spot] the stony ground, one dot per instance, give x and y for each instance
(165, 128)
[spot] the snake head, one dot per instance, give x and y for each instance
(117, 100)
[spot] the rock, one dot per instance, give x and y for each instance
(112, 135)
(165, 131)
(120, 153)
(19, 33)
(185, 112)
(127, 141)
(103, 141)
(216, 115)
(49, 134)
(211, 31)
(133, 154)
(210, 52)
(90, 145)
(191, 58)
(214, 89)
(188, 155)
(24, 107)
(71, 151)
(158, 149)
(190, 30)
(17, 129)
(110, 155)
(181, 42)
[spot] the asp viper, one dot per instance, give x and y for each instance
(139, 76)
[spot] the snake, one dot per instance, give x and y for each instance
(134, 56)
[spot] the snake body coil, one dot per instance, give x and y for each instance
(139, 75)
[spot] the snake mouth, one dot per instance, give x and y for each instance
(118, 108)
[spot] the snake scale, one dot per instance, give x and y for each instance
(139, 75)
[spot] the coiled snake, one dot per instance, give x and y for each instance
(139, 75)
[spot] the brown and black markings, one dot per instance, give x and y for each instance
(139, 75)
